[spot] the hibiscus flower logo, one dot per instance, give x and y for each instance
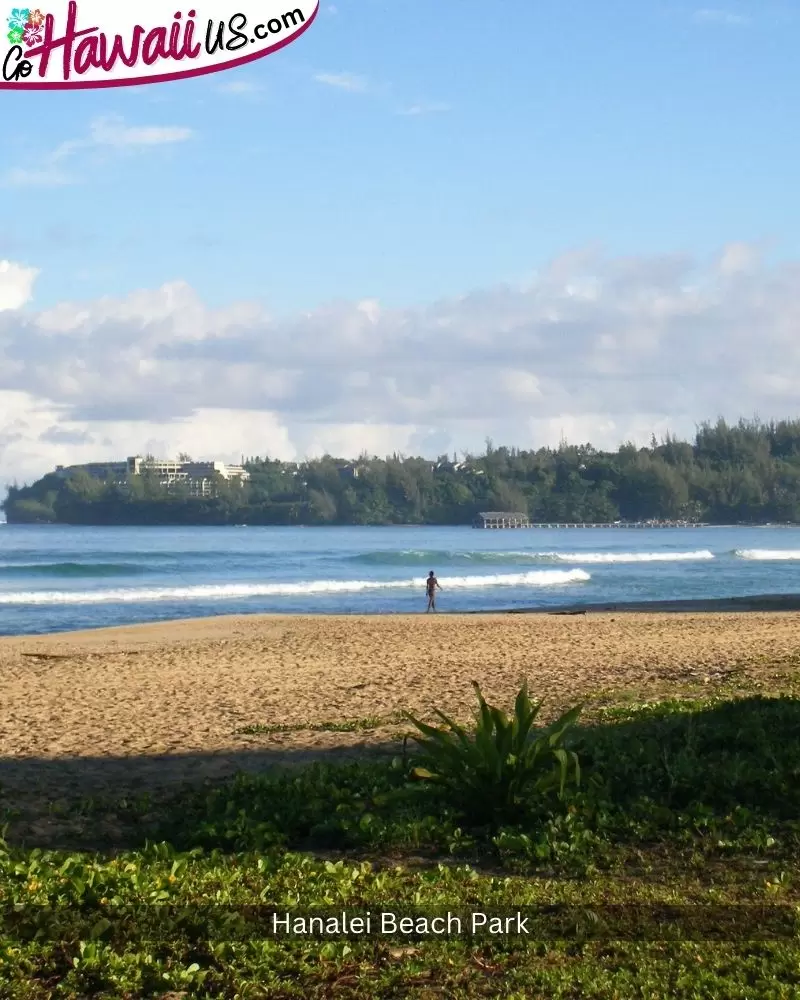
(33, 35)
(19, 18)
(26, 26)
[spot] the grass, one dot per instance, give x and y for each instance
(670, 871)
(368, 724)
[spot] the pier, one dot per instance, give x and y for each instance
(623, 524)
(494, 520)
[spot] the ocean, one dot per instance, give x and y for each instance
(56, 578)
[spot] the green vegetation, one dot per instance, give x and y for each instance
(670, 870)
(494, 770)
(365, 725)
(729, 474)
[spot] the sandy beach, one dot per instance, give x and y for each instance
(156, 703)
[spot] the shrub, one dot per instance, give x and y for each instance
(503, 767)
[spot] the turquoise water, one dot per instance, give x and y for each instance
(56, 578)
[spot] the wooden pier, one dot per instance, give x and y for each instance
(494, 520)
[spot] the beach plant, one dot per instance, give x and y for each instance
(503, 767)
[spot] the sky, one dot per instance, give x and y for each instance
(420, 225)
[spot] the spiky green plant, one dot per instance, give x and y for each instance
(503, 766)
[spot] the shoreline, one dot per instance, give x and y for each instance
(703, 605)
(146, 705)
(749, 604)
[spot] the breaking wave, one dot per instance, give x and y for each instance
(701, 555)
(768, 555)
(234, 591)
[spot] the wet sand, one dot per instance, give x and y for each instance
(761, 602)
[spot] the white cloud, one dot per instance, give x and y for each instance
(714, 15)
(344, 81)
(109, 134)
(596, 348)
(114, 133)
(240, 88)
(738, 258)
(47, 176)
(16, 284)
(35, 437)
(425, 108)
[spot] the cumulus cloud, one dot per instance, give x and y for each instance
(16, 284)
(592, 348)
(36, 436)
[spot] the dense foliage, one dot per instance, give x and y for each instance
(748, 473)
(672, 871)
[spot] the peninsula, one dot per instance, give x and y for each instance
(747, 473)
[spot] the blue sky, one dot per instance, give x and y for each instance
(409, 152)
(642, 126)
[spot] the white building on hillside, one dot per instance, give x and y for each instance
(198, 477)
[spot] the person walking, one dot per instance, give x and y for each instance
(431, 586)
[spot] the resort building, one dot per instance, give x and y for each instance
(197, 477)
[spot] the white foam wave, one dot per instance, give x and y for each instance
(768, 555)
(627, 557)
(232, 591)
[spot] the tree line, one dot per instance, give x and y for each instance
(748, 472)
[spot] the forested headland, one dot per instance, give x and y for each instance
(743, 473)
